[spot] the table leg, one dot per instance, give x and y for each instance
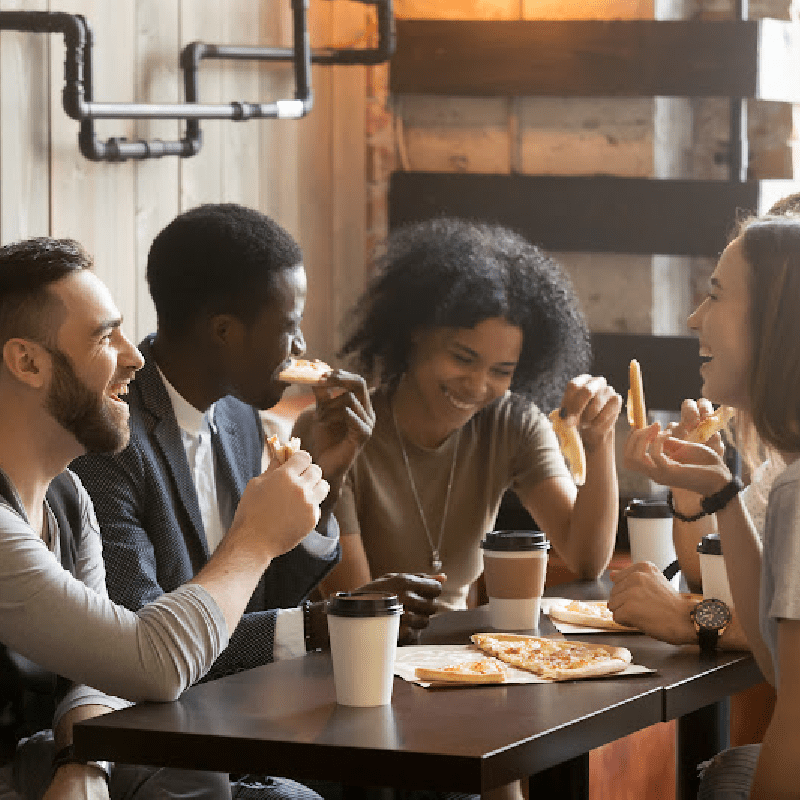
(566, 781)
(699, 735)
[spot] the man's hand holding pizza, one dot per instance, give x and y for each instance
(643, 598)
(342, 423)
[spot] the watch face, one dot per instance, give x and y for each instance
(712, 614)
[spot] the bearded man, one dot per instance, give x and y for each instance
(66, 651)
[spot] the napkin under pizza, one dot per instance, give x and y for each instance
(437, 657)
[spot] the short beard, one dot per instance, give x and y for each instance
(83, 413)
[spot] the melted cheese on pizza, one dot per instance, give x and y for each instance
(554, 658)
(597, 609)
(485, 670)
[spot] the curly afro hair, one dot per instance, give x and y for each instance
(455, 273)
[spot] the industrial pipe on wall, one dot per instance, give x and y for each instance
(79, 104)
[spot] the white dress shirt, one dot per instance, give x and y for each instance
(216, 506)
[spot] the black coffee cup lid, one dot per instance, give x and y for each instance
(364, 604)
(710, 545)
(510, 541)
(647, 509)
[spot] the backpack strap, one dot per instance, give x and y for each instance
(30, 693)
(62, 496)
(63, 499)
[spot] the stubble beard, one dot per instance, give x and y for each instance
(87, 415)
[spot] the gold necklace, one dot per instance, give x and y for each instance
(436, 559)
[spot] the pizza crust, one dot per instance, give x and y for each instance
(485, 670)
(282, 452)
(555, 659)
(591, 613)
(302, 370)
(637, 411)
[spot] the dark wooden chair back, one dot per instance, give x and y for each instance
(670, 366)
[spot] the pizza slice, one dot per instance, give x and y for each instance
(554, 659)
(282, 452)
(710, 425)
(485, 670)
(302, 370)
(592, 613)
(571, 446)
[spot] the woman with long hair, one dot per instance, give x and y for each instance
(750, 340)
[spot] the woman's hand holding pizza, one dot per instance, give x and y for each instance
(674, 462)
(693, 412)
(592, 406)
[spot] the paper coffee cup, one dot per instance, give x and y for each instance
(713, 571)
(650, 532)
(363, 630)
(514, 567)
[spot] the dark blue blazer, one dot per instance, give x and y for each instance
(149, 515)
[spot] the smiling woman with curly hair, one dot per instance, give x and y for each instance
(472, 334)
(448, 273)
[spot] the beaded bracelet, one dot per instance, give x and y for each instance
(683, 517)
(711, 504)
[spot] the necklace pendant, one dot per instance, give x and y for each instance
(436, 562)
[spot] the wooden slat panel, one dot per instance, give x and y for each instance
(94, 202)
(202, 175)
(241, 80)
(156, 181)
(591, 58)
(348, 173)
(288, 168)
(316, 196)
(279, 154)
(599, 214)
(24, 144)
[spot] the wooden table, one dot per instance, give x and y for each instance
(282, 719)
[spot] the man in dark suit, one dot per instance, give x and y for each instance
(229, 289)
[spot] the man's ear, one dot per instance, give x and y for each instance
(27, 361)
(225, 330)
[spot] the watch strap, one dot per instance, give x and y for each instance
(708, 639)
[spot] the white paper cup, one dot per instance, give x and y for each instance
(514, 566)
(650, 532)
(363, 632)
(713, 571)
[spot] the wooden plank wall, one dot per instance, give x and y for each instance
(308, 174)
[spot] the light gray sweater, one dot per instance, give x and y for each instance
(69, 626)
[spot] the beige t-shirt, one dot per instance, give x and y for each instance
(509, 444)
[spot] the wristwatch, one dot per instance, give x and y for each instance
(67, 756)
(711, 619)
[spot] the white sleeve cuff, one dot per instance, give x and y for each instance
(321, 544)
(82, 695)
(290, 640)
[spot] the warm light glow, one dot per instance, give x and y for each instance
(531, 9)
(588, 9)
